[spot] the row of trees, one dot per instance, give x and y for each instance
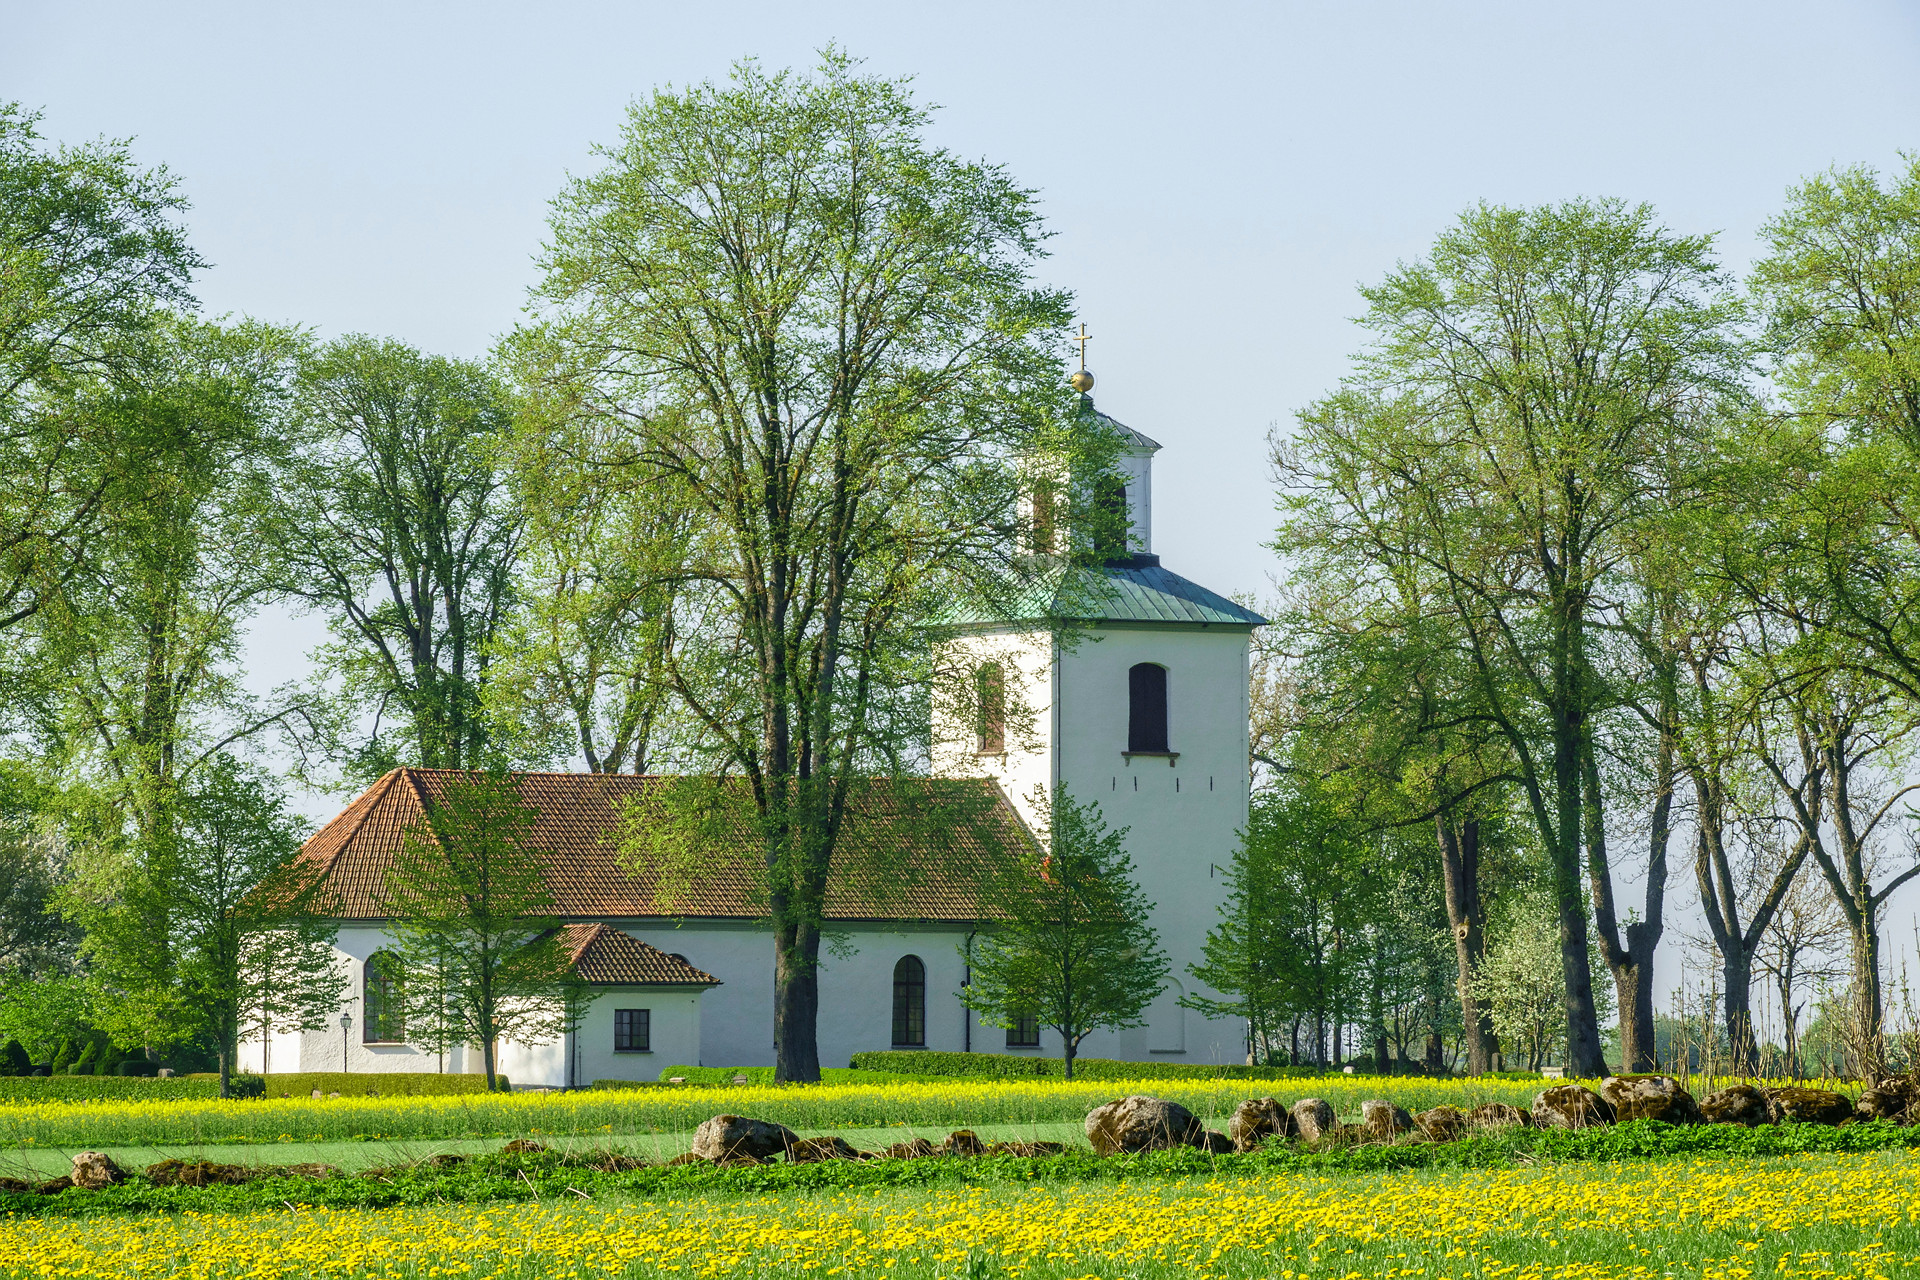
(763, 424)
(1597, 551)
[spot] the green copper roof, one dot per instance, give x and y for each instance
(1133, 590)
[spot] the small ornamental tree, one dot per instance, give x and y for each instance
(1072, 947)
(252, 955)
(480, 954)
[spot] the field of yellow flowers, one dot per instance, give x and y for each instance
(1822, 1216)
(957, 1103)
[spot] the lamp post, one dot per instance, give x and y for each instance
(346, 1022)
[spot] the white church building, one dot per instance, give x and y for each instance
(1136, 699)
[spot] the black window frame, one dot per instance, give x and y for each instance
(1147, 729)
(382, 1018)
(1025, 1031)
(625, 1030)
(910, 1003)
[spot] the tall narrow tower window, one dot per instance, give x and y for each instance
(1147, 707)
(909, 1003)
(1111, 519)
(1045, 501)
(990, 716)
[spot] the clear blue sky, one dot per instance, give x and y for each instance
(1219, 176)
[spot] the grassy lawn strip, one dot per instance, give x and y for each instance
(553, 1174)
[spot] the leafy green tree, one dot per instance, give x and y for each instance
(1538, 388)
(45, 1012)
(815, 334)
(396, 522)
(1070, 945)
(480, 953)
(1524, 985)
(581, 665)
(143, 640)
(252, 950)
(91, 251)
(1834, 493)
(1281, 950)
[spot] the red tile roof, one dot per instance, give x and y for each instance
(910, 851)
(604, 956)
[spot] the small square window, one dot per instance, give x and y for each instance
(632, 1030)
(1025, 1032)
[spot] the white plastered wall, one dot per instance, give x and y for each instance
(1184, 815)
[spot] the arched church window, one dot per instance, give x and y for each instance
(1147, 707)
(383, 1020)
(910, 1003)
(990, 717)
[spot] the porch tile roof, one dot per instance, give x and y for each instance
(603, 956)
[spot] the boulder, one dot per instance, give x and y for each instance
(1141, 1123)
(93, 1170)
(1890, 1099)
(1256, 1120)
(54, 1186)
(1810, 1106)
(1569, 1106)
(818, 1150)
(1498, 1115)
(1443, 1123)
(1383, 1121)
(963, 1142)
(1312, 1118)
(522, 1147)
(1649, 1098)
(1744, 1104)
(731, 1137)
(685, 1157)
(198, 1173)
(1216, 1143)
(918, 1149)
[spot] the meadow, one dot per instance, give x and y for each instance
(1826, 1216)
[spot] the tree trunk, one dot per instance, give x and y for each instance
(1743, 1046)
(1569, 745)
(796, 1005)
(1630, 959)
(1466, 918)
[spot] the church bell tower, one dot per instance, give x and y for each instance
(1131, 690)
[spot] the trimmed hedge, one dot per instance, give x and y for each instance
(367, 1084)
(109, 1088)
(921, 1062)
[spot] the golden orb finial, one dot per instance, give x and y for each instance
(1081, 381)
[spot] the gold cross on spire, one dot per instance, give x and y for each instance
(1082, 339)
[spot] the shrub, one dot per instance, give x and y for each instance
(1010, 1065)
(63, 1057)
(83, 1065)
(137, 1067)
(14, 1060)
(102, 1088)
(363, 1084)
